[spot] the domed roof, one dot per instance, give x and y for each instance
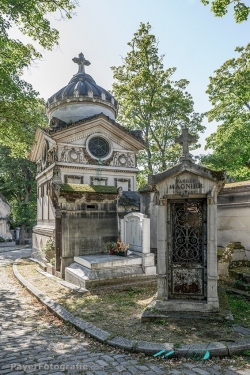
(81, 98)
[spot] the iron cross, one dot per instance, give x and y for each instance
(81, 61)
(185, 139)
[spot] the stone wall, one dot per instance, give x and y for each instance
(86, 232)
(234, 214)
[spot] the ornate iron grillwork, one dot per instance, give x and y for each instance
(98, 147)
(187, 232)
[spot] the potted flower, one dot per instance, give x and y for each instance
(109, 248)
(121, 248)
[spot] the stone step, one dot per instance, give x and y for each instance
(83, 276)
(238, 291)
(240, 273)
(241, 286)
(98, 261)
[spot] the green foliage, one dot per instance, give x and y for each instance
(240, 308)
(20, 110)
(220, 8)
(18, 185)
(151, 101)
(229, 95)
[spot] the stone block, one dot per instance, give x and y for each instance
(151, 348)
(242, 330)
(98, 261)
(98, 333)
(238, 347)
(216, 349)
(122, 343)
(150, 271)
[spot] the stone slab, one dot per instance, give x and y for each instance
(151, 348)
(186, 305)
(122, 343)
(98, 333)
(7, 244)
(199, 349)
(238, 347)
(78, 274)
(96, 262)
(242, 330)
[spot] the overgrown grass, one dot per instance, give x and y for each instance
(118, 310)
(240, 307)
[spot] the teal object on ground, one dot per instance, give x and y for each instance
(168, 354)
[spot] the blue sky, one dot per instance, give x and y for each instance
(192, 39)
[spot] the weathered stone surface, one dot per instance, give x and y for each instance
(242, 330)
(238, 347)
(122, 343)
(152, 347)
(98, 333)
(216, 349)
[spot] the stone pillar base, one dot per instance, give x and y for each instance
(186, 305)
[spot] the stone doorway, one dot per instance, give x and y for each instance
(187, 255)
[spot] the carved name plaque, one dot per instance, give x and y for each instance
(133, 235)
(185, 186)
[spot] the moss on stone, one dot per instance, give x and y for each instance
(235, 245)
(85, 188)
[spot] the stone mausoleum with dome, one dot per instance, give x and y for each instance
(84, 160)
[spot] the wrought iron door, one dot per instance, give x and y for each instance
(187, 248)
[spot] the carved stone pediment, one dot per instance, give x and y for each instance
(73, 155)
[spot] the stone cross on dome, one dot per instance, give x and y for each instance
(81, 61)
(185, 140)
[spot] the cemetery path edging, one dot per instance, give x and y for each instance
(216, 349)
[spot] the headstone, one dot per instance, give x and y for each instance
(186, 196)
(135, 231)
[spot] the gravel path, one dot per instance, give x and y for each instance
(33, 341)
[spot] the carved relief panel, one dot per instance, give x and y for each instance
(73, 155)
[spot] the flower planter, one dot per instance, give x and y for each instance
(121, 253)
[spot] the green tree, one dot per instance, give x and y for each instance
(18, 185)
(220, 8)
(229, 95)
(152, 102)
(20, 111)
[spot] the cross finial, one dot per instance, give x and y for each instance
(185, 139)
(81, 61)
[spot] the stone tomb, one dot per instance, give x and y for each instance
(135, 231)
(4, 227)
(186, 196)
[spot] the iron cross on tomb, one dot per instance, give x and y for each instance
(185, 140)
(81, 61)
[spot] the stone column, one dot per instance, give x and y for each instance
(162, 279)
(58, 239)
(212, 267)
(145, 225)
(122, 230)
